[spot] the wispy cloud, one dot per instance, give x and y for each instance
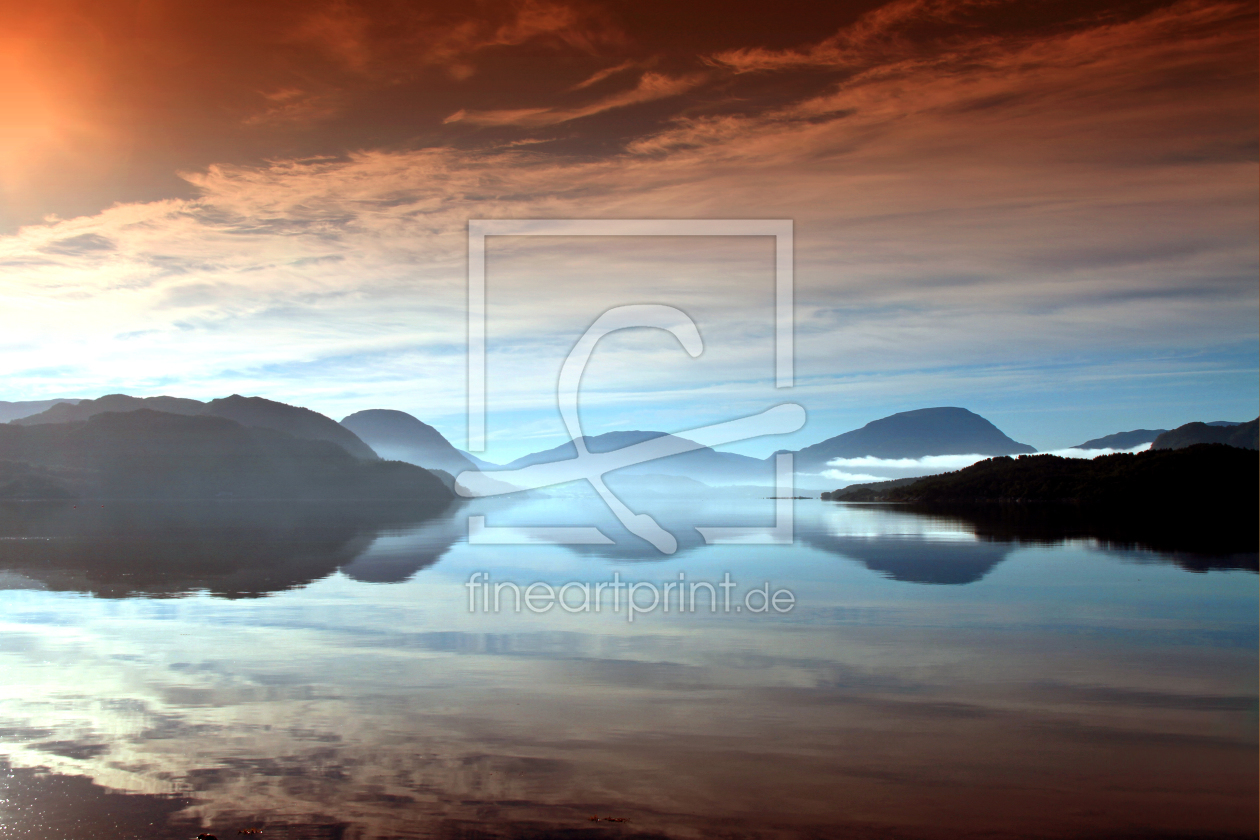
(375, 42)
(939, 463)
(376, 47)
(81, 244)
(1094, 453)
(852, 478)
(651, 87)
(599, 75)
(876, 36)
(292, 105)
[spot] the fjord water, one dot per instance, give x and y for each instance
(317, 672)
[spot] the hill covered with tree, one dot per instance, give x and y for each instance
(1211, 474)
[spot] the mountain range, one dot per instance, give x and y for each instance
(911, 434)
(248, 411)
(368, 436)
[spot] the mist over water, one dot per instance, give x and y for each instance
(316, 671)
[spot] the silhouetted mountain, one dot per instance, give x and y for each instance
(297, 421)
(248, 411)
(914, 434)
(1122, 440)
(1226, 423)
(154, 455)
(10, 411)
(401, 437)
(703, 464)
(1244, 436)
(66, 412)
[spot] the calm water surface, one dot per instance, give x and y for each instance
(317, 673)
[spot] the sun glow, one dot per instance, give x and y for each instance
(51, 120)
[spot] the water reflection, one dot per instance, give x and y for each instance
(235, 550)
(231, 549)
(1185, 536)
(904, 546)
(937, 545)
(961, 544)
(1059, 693)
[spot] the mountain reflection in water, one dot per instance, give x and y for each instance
(966, 542)
(238, 549)
(320, 675)
(231, 549)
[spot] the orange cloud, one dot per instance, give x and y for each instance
(290, 105)
(343, 32)
(599, 76)
(652, 86)
(1073, 78)
(876, 35)
(418, 38)
(536, 18)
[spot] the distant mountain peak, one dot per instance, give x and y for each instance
(1122, 440)
(600, 443)
(611, 441)
(701, 463)
(399, 436)
(943, 430)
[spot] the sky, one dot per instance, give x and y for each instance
(1045, 212)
